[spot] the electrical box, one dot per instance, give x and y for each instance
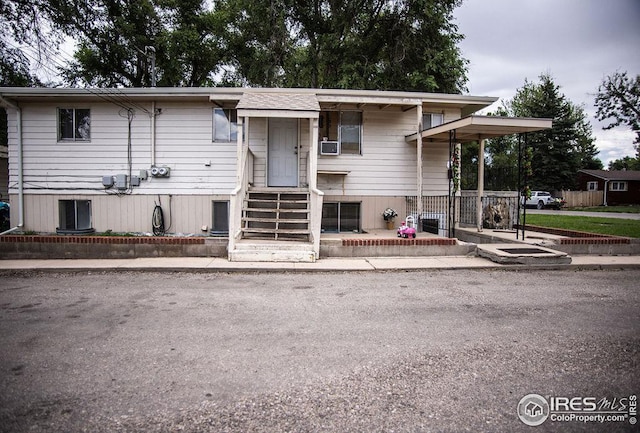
(135, 181)
(162, 171)
(143, 175)
(121, 181)
(107, 181)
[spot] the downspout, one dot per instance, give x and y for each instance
(606, 187)
(20, 166)
(153, 133)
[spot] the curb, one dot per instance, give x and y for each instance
(205, 270)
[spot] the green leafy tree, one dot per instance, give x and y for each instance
(618, 101)
(23, 23)
(558, 153)
(363, 44)
(376, 44)
(626, 163)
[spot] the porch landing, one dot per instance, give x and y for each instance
(385, 243)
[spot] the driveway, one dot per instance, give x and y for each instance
(344, 352)
(630, 216)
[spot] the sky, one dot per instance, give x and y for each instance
(578, 42)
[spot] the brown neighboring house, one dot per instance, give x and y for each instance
(619, 186)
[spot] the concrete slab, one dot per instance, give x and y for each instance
(522, 254)
(406, 263)
(336, 264)
(167, 262)
(202, 264)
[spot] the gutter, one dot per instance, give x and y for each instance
(9, 104)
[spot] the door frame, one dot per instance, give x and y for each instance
(297, 138)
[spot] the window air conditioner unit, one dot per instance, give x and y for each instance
(329, 148)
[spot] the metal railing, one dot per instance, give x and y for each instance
(499, 211)
(434, 215)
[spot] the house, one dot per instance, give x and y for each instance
(620, 187)
(251, 164)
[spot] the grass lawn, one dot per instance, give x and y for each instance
(620, 209)
(602, 225)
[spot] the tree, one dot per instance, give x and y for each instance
(618, 100)
(362, 44)
(22, 22)
(365, 44)
(626, 163)
(558, 153)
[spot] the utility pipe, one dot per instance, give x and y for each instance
(153, 133)
(9, 104)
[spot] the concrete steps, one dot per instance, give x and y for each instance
(278, 214)
(249, 250)
(275, 227)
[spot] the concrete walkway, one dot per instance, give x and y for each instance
(208, 264)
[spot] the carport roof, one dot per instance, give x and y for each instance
(475, 128)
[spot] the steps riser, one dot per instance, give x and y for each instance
(281, 214)
(272, 256)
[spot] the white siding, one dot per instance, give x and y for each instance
(258, 133)
(387, 166)
(183, 142)
(434, 169)
(185, 213)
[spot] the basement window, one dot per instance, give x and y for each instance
(340, 217)
(220, 224)
(74, 217)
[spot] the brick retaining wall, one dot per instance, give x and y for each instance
(109, 240)
(108, 247)
(580, 238)
(399, 241)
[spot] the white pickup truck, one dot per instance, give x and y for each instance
(542, 199)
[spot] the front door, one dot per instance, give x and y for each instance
(283, 152)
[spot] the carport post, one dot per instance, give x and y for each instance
(480, 185)
(419, 162)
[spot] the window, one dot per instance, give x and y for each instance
(430, 120)
(75, 216)
(618, 186)
(225, 125)
(74, 124)
(340, 217)
(592, 186)
(343, 127)
(220, 225)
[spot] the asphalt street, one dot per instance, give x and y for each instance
(424, 351)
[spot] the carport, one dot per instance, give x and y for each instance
(470, 129)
